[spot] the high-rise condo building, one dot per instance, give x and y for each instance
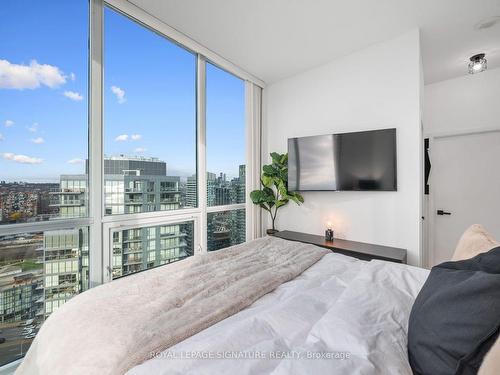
(131, 185)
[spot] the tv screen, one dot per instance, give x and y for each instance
(347, 161)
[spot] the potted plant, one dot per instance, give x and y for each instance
(274, 193)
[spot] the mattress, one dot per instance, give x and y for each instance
(341, 316)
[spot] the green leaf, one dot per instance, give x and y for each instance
(267, 181)
(262, 196)
(282, 188)
(257, 196)
(284, 159)
(284, 174)
(296, 197)
(269, 170)
(275, 157)
(262, 205)
(278, 160)
(268, 195)
(281, 202)
(268, 191)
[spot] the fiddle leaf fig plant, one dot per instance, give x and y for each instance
(274, 193)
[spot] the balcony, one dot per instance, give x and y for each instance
(132, 262)
(180, 245)
(65, 286)
(169, 200)
(132, 251)
(67, 192)
(169, 190)
(132, 239)
(78, 203)
(133, 190)
(181, 255)
(172, 235)
(61, 294)
(134, 202)
(49, 258)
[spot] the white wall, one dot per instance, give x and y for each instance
(378, 87)
(464, 103)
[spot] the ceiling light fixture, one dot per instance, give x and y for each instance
(477, 63)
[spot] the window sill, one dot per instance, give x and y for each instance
(10, 368)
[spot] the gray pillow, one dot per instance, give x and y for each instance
(456, 316)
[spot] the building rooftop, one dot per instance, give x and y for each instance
(135, 158)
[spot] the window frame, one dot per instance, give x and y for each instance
(97, 220)
(110, 227)
(233, 206)
(108, 223)
(100, 225)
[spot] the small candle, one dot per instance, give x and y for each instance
(329, 232)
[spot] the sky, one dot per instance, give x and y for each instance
(149, 95)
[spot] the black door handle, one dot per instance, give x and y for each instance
(441, 212)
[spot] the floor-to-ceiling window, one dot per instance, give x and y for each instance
(150, 144)
(149, 119)
(43, 172)
(161, 177)
(226, 163)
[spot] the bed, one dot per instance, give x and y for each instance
(342, 315)
(309, 311)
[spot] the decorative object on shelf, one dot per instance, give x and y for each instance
(274, 193)
(478, 63)
(329, 232)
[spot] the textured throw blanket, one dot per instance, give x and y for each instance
(116, 326)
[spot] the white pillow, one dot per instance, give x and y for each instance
(474, 241)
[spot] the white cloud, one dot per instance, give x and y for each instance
(135, 137)
(120, 94)
(9, 123)
(33, 128)
(2, 138)
(32, 76)
(38, 140)
(23, 159)
(76, 161)
(73, 95)
(126, 137)
(122, 138)
(72, 76)
(140, 150)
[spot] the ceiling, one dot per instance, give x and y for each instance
(275, 39)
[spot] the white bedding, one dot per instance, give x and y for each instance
(111, 328)
(350, 313)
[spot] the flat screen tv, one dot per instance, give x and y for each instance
(348, 161)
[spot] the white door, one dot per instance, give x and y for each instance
(465, 185)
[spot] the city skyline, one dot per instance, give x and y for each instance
(149, 156)
(40, 271)
(183, 177)
(148, 115)
(29, 201)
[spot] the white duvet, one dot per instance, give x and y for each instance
(341, 316)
